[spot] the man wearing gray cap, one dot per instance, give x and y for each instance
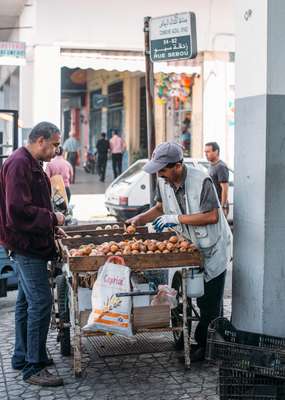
(187, 200)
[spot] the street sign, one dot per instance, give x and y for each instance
(12, 53)
(173, 37)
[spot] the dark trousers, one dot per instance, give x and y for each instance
(72, 159)
(210, 306)
(117, 159)
(101, 165)
(32, 315)
(68, 193)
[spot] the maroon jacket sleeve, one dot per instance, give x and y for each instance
(22, 215)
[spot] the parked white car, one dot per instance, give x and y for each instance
(128, 195)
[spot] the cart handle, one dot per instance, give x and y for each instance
(116, 260)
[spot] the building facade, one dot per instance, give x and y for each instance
(100, 50)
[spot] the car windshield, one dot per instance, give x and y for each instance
(131, 172)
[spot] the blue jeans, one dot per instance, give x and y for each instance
(32, 316)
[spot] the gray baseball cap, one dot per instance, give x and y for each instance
(164, 153)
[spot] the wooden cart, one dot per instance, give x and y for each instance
(91, 230)
(76, 267)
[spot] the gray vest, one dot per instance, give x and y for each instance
(213, 240)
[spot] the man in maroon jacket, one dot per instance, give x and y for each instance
(27, 228)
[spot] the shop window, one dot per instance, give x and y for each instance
(115, 107)
(115, 95)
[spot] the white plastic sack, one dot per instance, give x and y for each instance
(109, 312)
(165, 295)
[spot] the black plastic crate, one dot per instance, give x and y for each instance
(263, 354)
(238, 384)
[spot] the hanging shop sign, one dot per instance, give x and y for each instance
(12, 53)
(173, 37)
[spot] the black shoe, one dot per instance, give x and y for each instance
(44, 378)
(47, 363)
(198, 355)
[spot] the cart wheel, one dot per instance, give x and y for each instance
(63, 312)
(177, 313)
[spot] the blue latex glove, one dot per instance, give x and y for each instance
(165, 221)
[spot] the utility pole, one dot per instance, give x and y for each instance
(149, 85)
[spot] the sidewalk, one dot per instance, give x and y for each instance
(152, 376)
(90, 184)
(88, 195)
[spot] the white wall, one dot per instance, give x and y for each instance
(218, 86)
(119, 24)
(91, 23)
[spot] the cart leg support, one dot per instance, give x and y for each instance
(77, 328)
(186, 333)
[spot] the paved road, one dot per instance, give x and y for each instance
(157, 376)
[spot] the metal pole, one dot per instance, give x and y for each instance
(149, 86)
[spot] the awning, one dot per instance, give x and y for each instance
(117, 60)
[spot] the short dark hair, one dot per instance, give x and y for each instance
(103, 134)
(59, 151)
(43, 129)
(214, 146)
(172, 164)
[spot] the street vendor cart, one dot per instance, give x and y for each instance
(81, 269)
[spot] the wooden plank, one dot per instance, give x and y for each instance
(103, 232)
(89, 227)
(75, 243)
(151, 317)
(92, 227)
(137, 262)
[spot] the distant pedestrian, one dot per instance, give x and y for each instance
(27, 228)
(60, 166)
(219, 173)
(103, 147)
(118, 147)
(71, 147)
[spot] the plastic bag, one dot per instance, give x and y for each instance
(165, 295)
(109, 312)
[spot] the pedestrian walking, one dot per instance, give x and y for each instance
(71, 148)
(60, 166)
(186, 199)
(219, 173)
(102, 146)
(117, 146)
(27, 228)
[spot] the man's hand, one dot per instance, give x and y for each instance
(60, 218)
(134, 220)
(165, 221)
(59, 233)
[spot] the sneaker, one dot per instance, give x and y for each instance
(49, 362)
(44, 378)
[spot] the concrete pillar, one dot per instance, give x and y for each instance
(26, 94)
(132, 115)
(40, 87)
(197, 118)
(46, 90)
(259, 215)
